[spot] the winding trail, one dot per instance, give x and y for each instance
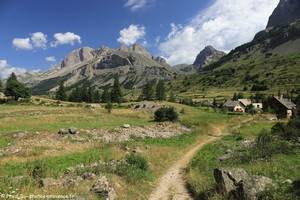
(172, 185)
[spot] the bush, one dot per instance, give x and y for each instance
(137, 161)
(37, 170)
(134, 169)
(166, 114)
(290, 132)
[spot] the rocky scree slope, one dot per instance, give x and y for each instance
(134, 65)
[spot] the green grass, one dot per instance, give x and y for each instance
(279, 168)
(55, 166)
(14, 118)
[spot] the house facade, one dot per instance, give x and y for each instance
(283, 107)
(234, 106)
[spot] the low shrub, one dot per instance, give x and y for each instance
(166, 114)
(134, 168)
(137, 161)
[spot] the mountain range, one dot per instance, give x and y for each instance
(271, 59)
(134, 65)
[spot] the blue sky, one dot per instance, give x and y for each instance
(36, 34)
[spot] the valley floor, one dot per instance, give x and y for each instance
(145, 161)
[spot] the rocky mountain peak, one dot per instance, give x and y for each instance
(207, 56)
(77, 56)
(285, 13)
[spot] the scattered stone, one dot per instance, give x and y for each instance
(88, 176)
(104, 189)
(49, 182)
(19, 135)
(248, 143)
(225, 157)
(73, 131)
(236, 184)
(63, 131)
(126, 126)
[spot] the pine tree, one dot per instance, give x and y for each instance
(109, 106)
(90, 95)
(97, 97)
(84, 93)
(148, 91)
(116, 93)
(161, 91)
(172, 97)
(75, 95)
(105, 97)
(16, 89)
(61, 92)
(1, 86)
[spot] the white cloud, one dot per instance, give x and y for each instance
(36, 40)
(65, 38)
(6, 69)
(132, 34)
(39, 40)
(226, 24)
(135, 5)
(50, 59)
(22, 43)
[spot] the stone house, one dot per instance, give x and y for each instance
(283, 107)
(234, 106)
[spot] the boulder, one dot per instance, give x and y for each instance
(70, 182)
(63, 131)
(104, 189)
(236, 184)
(73, 131)
(126, 126)
(88, 176)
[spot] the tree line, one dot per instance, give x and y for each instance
(14, 88)
(88, 94)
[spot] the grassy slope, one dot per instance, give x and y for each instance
(272, 57)
(278, 72)
(279, 168)
(16, 118)
(159, 152)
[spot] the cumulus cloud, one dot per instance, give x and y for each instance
(132, 34)
(50, 59)
(135, 5)
(36, 40)
(226, 24)
(6, 69)
(65, 38)
(39, 40)
(22, 43)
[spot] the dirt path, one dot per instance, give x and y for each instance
(172, 185)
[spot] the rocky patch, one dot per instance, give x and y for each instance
(237, 184)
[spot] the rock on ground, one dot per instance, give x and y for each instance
(236, 184)
(104, 189)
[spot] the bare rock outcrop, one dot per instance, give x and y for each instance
(237, 184)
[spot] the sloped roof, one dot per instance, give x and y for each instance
(245, 102)
(286, 102)
(231, 104)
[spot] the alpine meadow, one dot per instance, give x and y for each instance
(150, 99)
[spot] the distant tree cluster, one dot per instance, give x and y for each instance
(166, 114)
(153, 91)
(1, 86)
(87, 93)
(14, 88)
